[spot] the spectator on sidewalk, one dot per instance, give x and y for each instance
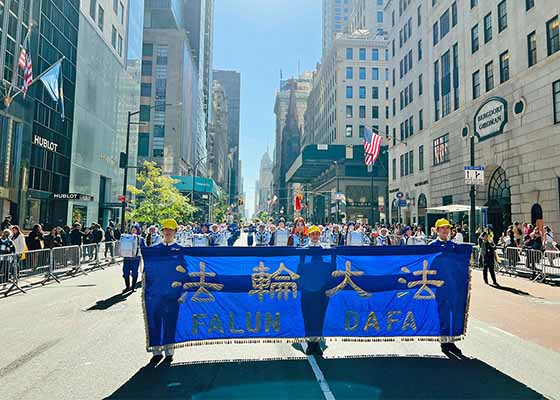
(488, 255)
(35, 239)
(6, 244)
(76, 235)
(18, 239)
(6, 223)
(54, 239)
(109, 239)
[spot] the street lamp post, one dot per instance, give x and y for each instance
(337, 193)
(195, 172)
(126, 156)
(472, 194)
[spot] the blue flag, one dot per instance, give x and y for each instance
(53, 82)
(196, 296)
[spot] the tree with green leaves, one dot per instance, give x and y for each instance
(157, 198)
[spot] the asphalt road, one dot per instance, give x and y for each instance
(82, 340)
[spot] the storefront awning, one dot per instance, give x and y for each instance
(451, 209)
(201, 185)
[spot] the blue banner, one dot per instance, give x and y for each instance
(226, 294)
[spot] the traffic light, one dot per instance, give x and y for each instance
(123, 161)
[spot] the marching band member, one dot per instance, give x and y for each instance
(201, 239)
(281, 236)
(272, 230)
(315, 236)
(337, 238)
(250, 230)
(153, 238)
(355, 237)
(299, 236)
(131, 262)
(187, 236)
(262, 236)
(215, 237)
(383, 239)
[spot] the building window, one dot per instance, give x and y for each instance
(362, 73)
(532, 48)
(120, 45)
(375, 112)
(348, 130)
(349, 53)
(375, 92)
(504, 66)
(556, 101)
(420, 120)
(444, 24)
(143, 144)
(411, 162)
(146, 68)
(92, 8)
(100, 18)
(420, 50)
(394, 168)
(349, 73)
(421, 158)
(362, 54)
(362, 92)
(379, 17)
(455, 76)
(529, 4)
(474, 3)
(144, 113)
(435, 33)
(114, 37)
(419, 15)
(436, 90)
(349, 92)
(349, 112)
(116, 6)
(402, 165)
(488, 28)
(375, 54)
(502, 16)
(420, 85)
(453, 14)
(476, 84)
(121, 12)
(146, 90)
(374, 74)
(441, 149)
(446, 83)
(475, 44)
(489, 72)
(552, 36)
(361, 131)
(147, 49)
(362, 111)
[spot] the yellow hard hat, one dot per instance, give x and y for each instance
(442, 222)
(313, 228)
(169, 224)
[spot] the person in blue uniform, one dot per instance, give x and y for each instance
(168, 309)
(131, 264)
(250, 230)
(443, 240)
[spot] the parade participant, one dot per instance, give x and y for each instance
(272, 230)
(419, 238)
(315, 238)
(281, 236)
(153, 238)
(383, 238)
(216, 237)
(488, 255)
(186, 236)
(262, 236)
(169, 314)
(407, 237)
(337, 238)
(299, 236)
(131, 262)
(458, 236)
(202, 239)
(250, 230)
(355, 237)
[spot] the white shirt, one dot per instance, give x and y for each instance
(458, 238)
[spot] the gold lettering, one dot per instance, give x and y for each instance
(372, 322)
(197, 323)
(409, 321)
(232, 328)
(215, 324)
(356, 318)
(274, 323)
(257, 327)
(391, 320)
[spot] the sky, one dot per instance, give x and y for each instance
(259, 38)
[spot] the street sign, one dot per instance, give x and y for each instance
(121, 198)
(400, 195)
(474, 175)
(402, 203)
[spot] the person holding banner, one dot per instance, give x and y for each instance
(168, 308)
(281, 235)
(130, 249)
(262, 237)
(299, 236)
(443, 230)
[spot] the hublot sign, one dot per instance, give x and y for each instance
(44, 143)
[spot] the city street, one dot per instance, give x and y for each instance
(82, 340)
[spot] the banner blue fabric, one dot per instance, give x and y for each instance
(220, 294)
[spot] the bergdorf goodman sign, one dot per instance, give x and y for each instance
(491, 118)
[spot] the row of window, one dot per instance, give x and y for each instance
(362, 54)
(446, 83)
(118, 8)
(362, 73)
(441, 28)
(407, 163)
(349, 132)
(489, 75)
(502, 24)
(362, 111)
(362, 92)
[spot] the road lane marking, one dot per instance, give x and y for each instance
(323, 384)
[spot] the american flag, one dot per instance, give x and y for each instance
(26, 64)
(372, 146)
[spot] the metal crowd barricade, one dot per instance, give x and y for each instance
(514, 260)
(550, 265)
(65, 259)
(89, 255)
(35, 262)
(533, 263)
(475, 257)
(9, 273)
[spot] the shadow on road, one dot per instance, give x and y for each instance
(512, 290)
(371, 378)
(111, 301)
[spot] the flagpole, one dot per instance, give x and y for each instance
(38, 78)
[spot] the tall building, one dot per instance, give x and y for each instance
(173, 134)
(367, 15)
(107, 87)
(292, 96)
(263, 191)
(336, 14)
(490, 69)
(217, 140)
(350, 93)
(231, 83)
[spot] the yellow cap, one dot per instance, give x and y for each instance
(440, 223)
(169, 224)
(313, 228)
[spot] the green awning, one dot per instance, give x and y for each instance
(201, 185)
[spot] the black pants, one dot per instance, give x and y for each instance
(488, 267)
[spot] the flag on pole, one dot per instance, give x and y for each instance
(53, 83)
(372, 146)
(26, 64)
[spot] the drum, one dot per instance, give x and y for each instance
(129, 246)
(281, 238)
